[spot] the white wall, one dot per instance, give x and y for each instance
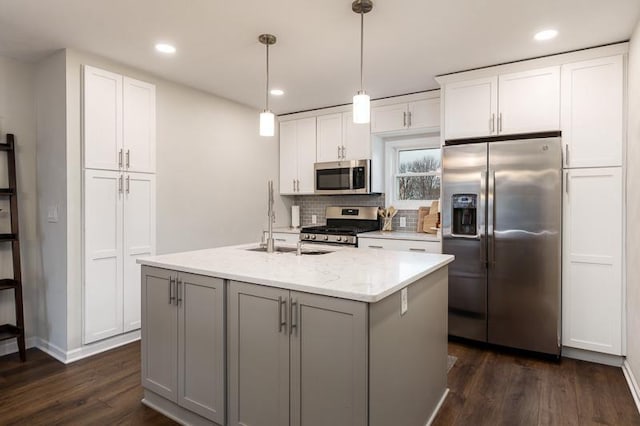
(633, 207)
(52, 192)
(212, 169)
(18, 116)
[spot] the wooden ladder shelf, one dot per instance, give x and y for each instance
(13, 331)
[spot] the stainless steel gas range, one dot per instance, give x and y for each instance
(343, 225)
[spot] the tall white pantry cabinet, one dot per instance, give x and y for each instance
(118, 199)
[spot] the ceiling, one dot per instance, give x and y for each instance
(316, 58)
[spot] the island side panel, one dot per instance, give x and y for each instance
(408, 353)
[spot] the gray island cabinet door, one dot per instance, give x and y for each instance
(201, 349)
(159, 333)
(258, 355)
(328, 361)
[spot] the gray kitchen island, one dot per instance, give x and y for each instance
(236, 336)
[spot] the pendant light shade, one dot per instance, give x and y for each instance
(267, 123)
(361, 101)
(267, 119)
(361, 108)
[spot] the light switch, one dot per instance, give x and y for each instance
(52, 214)
(404, 301)
(403, 222)
(314, 219)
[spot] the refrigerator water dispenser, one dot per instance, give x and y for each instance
(464, 215)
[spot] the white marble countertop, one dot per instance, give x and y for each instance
(365, 275)
(401, 235)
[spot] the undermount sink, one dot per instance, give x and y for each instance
(277, 249)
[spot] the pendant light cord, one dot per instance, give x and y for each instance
(267, 90)
(361, 46)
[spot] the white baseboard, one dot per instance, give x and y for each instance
(67, 357)
(590, 356)
(633, 383)
(11, 346)
(440, 403)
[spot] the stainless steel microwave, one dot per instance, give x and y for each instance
(343, 177)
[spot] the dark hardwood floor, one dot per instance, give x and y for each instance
(490, 387)
(487, 388)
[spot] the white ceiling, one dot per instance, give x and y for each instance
(316, 58)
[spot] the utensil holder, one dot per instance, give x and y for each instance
(387, 224)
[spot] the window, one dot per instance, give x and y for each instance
(413, 172)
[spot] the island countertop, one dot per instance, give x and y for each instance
(365, 275)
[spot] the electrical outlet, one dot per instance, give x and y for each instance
(314, 219)
(403, 222)
(404, 301)
(52, 214)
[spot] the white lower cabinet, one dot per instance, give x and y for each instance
(295, 358)
(400, 245)
(592, 260)
(183, 340)
(119, 226)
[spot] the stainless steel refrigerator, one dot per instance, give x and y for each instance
(501, 218)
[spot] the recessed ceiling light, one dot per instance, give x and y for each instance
(277, 92)
(545, 35)
(165, 48)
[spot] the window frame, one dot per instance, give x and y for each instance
(392, 149)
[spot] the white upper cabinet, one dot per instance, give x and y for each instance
(592, 112)
(329, 143)
(522, 102)
(102, 119)
(592, 290)
(297, 155)
(529, 101)
(412, 115)
(339, 138)
(470, 108)
(119, 122)
(424, 114)
(139, 126)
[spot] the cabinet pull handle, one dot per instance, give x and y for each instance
(339, 152)
(492, 123)
(500, 123)
(120, 159)
(566, 182)
(282, 322)
(409, 119)
(416, 249)
(128, 184)
(566, 154)
(376, 247)
(128, 157)
(120, 184)
(404, 119)
(171, 296)
(298, 185)
(179, 291)
(294, 185)
(294, 316)
(344, 152)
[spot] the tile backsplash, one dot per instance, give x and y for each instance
(316, 205)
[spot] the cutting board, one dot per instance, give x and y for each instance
(422, 212)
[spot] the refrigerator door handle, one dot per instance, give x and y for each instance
(492, 216)
(481, 217)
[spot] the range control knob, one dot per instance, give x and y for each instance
(312, 237)
(339, 239)
(326, 237)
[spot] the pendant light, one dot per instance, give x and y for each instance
(267, 119)
(361, 101)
